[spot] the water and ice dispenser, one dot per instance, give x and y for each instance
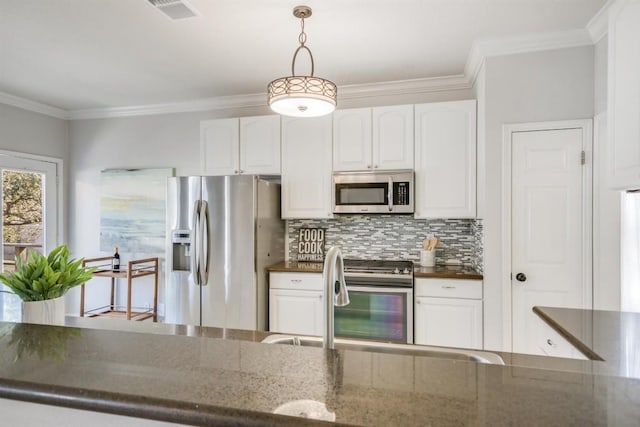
(181, 248)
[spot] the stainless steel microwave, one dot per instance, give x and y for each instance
(373, 192)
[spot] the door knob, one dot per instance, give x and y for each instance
(521, 277)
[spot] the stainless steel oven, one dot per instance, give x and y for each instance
(381, 307)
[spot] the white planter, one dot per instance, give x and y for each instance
(48, 312)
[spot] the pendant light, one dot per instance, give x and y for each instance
(302, 96)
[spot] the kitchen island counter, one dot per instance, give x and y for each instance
(203, 380)
(612, 336)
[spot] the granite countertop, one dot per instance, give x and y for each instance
(296, 267)
(440, 271)
(612, 336)
(193, 378)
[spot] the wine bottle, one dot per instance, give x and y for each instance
(115, 262)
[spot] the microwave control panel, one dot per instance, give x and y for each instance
(401, 193)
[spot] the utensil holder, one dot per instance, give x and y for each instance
(428, 258)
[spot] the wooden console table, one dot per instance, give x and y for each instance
(135, 269)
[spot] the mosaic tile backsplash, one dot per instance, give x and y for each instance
(395, 237)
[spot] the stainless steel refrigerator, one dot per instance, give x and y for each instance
(223, 231)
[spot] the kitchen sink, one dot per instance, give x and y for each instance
(478, 356)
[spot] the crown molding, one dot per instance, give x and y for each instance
(206, 104)
(499, 46)
(403, 87)
(36, 107)
(598, 24)
(346, 92)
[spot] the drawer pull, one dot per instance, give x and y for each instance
(296, 280)
(448, 287)
(550, 342)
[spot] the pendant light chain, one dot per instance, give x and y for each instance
(302, 39)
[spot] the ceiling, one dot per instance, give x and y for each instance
(94, 54)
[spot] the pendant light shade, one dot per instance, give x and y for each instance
(302, 96)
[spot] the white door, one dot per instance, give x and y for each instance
(219, 147)
(295, 312)
(260, 145)
(29, 217)
(392, 137)
(547, 228)
(352, 139)
(451, 322)
(445, 160)
(306, 167)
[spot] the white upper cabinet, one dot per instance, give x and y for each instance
(445, 164)
(352, 140)
(392, 137)
(249, 145)
(219, 147)
(260, 145)
(624, 95)
(306, 167)
(373, 138)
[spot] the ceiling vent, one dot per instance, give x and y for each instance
(175, 9)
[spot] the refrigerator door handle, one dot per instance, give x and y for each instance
(205, 253)
(195, 244)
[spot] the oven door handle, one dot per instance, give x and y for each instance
(380, 289)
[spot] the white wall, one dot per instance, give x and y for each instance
(27, 132)
(606, 202)
(33, 133)
(531, 87)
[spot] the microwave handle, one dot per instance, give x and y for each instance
(390, 194)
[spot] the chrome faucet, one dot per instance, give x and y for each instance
(334, 292)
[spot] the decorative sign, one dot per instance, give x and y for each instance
(311, 244)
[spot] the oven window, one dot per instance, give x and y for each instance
(362, 194)
(375, 316)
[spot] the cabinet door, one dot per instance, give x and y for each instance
(219, 147)
(393, 137)
(306, 167)
(445, 179)
(624, 95)
(260, 145)
(450, 322)
(295, 312)
(550, 343)
(352, 139)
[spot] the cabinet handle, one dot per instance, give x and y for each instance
(368, 166)
(550, 342)
(296, 280)
(319, 296)
(241, 171)
(418, 301)
(375, 166)
(448, 287)
(235, 171)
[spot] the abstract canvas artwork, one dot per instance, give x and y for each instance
(132, 210)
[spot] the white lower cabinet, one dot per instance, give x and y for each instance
(295, 303)
(448, 312)
(551, 343)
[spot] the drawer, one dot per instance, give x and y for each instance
(300, 281)
(448, 288)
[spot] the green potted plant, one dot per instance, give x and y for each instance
(41, 283)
